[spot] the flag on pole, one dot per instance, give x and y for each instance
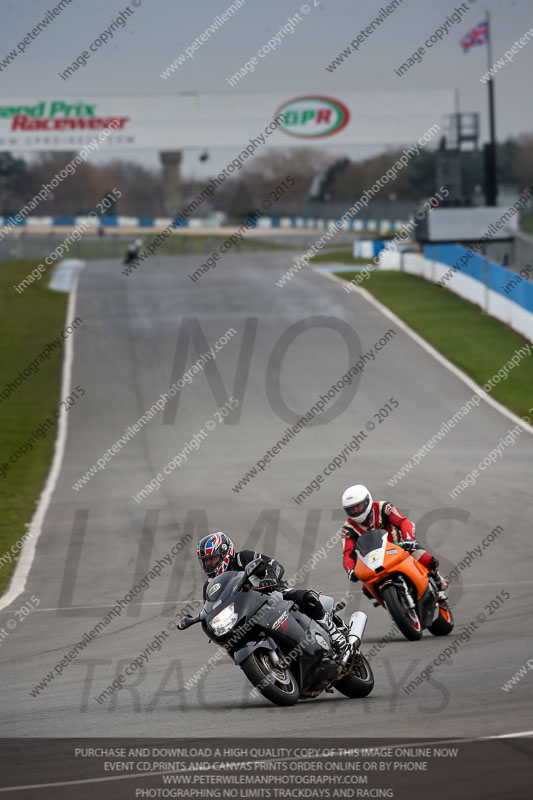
(478, 35)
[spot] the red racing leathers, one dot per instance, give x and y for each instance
(383, 516)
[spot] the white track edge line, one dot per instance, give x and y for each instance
(27, 554)
(432, 351)
(188, 600)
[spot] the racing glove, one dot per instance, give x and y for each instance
(352, 576)
(410, 545)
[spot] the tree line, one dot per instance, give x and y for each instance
(142, 188)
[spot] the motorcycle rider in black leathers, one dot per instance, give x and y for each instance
(132, 251)
(217, 554)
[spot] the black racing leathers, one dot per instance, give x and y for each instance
(270, 576)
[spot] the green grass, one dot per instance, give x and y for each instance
(27, 322)
(338, 257)
(526, 225)
(475, 342)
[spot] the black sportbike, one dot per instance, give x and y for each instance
(283, 653)
(132, 251)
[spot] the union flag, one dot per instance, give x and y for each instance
(478, 35)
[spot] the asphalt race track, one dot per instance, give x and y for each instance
(98, 542)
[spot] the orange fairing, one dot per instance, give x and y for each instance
(396, 560)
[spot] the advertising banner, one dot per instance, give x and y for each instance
(173, 122)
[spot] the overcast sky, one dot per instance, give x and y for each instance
(160, 30)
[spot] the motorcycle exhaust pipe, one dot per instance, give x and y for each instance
(358, 622)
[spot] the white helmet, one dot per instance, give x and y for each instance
(357, 502)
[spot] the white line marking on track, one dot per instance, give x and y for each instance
(188, 600)
(112, 605)
(27, 554)
(432, 351)
(500, 583)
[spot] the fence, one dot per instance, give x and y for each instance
(368, 223)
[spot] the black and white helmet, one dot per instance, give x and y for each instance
(357, 502)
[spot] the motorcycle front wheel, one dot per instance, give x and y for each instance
(443, 625)
(405, 618)
(274, 681)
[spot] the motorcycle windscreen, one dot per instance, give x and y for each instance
(369, 541)
(218, 589)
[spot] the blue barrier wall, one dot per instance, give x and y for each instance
(362, 246)
(272, 222)
(496, 277)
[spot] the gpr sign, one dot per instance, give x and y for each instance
(313, 116)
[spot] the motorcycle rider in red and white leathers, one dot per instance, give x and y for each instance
(364, 515)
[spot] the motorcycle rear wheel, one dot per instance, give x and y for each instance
(275, 682)
(360, 683)
(406, 619)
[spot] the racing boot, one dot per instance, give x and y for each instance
(338, 639)
(442, 585)
(432, 565)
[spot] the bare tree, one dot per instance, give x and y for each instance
(264, 172)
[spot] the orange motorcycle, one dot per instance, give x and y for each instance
(402, 585)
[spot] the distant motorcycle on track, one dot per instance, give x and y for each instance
(283, 653)
(132, 251)
(402, 585)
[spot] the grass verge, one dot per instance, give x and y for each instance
(527, 225)
(478, 344)
(27, 322)
(113, 245)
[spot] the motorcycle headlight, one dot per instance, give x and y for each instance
(224, 621)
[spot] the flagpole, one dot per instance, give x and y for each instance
(491, 187)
